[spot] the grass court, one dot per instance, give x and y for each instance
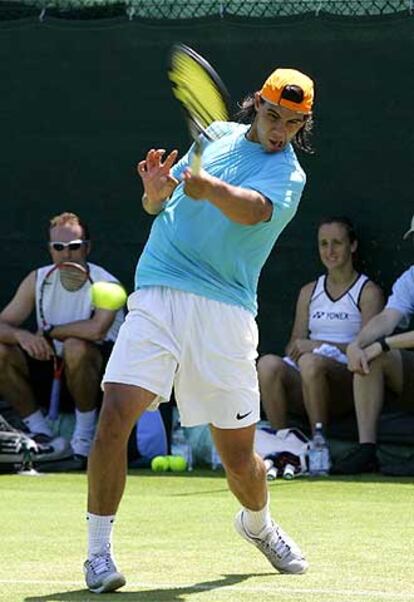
(175, 541)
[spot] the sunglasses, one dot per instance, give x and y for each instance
(72, 245)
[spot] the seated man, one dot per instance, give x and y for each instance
(313, 378)
(379, 364)
(82, 334)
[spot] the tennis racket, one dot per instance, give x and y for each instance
(72, 276)
(201, 93)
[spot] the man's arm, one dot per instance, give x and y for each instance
(94, 329)
(15, 313)
(241, 205)
(380, 325)
(397, 341)
(157, 180)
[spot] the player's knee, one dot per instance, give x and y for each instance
(115, 421)
(239, 464)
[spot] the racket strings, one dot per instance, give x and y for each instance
(197, 90)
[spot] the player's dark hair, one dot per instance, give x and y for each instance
(302, 139)
(343, 221)
(68, 218)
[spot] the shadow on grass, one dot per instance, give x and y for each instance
(167, 594)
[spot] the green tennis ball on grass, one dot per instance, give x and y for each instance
(177, 463)
(159, 464)
(108, 295)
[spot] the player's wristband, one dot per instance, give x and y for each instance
(47, 330)
(383, 343)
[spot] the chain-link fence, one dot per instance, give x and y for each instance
(195, 9)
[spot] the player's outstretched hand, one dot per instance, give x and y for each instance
(155, 174)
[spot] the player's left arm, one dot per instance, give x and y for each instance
(242, 205)
(94, 329)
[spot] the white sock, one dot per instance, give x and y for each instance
(36, 423)
(99, 534)
(257, 520)
(85, 424)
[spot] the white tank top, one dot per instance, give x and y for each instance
(336, 321)
(61, 306)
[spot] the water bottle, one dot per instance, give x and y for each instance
(215, 458)
(271, 470)
(180, 446)
(319, 461)
(289, 472)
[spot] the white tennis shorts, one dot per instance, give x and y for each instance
(203, 348)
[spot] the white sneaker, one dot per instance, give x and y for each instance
(81, 445)
(50, 448)
(281, 551)
(101, 574)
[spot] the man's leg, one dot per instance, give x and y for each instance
(16, 388)
(15, 380)
(83, 372)
(280, 389)
(369, 390)
(107, 469)
(246, 476)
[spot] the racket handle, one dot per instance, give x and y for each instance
(196, 163)
(54, 400)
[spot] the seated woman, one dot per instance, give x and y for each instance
(313, 377)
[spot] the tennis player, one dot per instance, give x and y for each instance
(191, 321)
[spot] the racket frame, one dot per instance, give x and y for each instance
(58, 363)
(196, 127)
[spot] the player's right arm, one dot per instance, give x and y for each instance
(157, 180)
(15, 313)
(299, 342)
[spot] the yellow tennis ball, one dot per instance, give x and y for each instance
(177, 463)
(159, 464)
(108, 295)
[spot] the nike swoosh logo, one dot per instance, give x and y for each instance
(241, 416)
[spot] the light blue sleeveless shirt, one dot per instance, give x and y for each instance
(194, 247)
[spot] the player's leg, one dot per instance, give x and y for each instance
(121, 408)
(280, 389)
(327, 388)
(246, 476)
(107, 469)
(369, 392)
(141, 368)
(217, 384)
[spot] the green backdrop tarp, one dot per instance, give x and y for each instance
(81, 102)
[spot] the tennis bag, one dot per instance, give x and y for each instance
(285, 446)
(14, 445)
